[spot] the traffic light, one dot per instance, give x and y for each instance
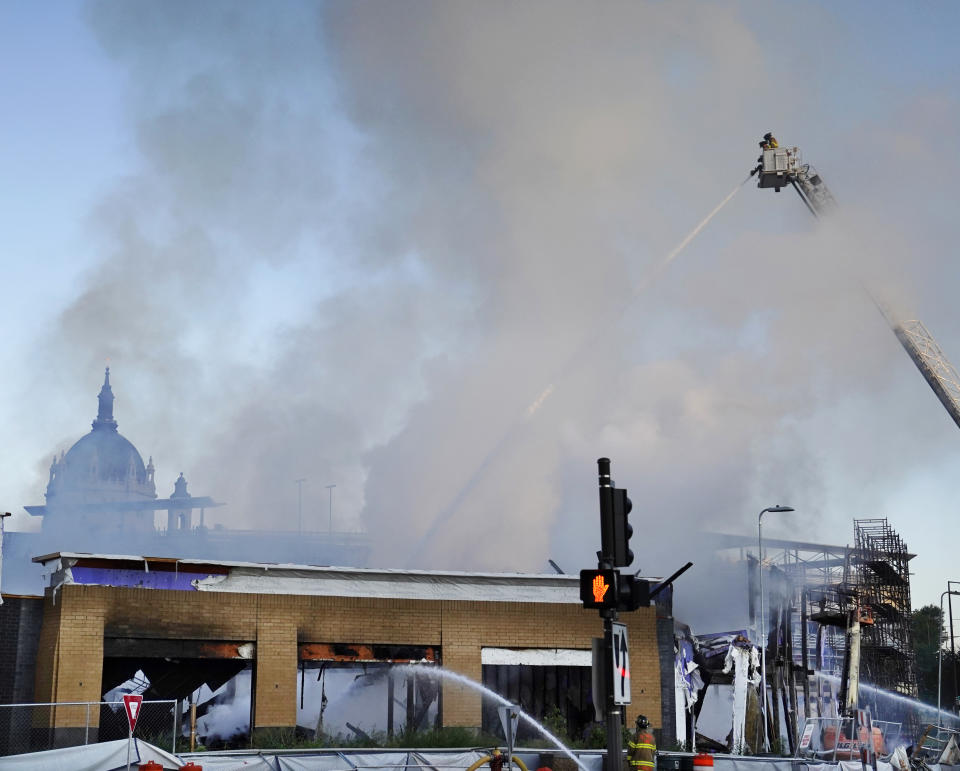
(622, 529)
(607, 527)
(632, 592)
(598, 588)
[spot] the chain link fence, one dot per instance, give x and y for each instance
(46, 726)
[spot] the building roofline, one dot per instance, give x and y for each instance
(732, 541)
(563, 578)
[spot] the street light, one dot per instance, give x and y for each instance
(3, 516)
(763, 637)
(940, 650)
(330, 488)
(299, 484)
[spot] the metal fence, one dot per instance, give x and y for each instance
(46, 726)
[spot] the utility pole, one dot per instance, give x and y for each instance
(299, 484)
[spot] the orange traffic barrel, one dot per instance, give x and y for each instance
(703, 760)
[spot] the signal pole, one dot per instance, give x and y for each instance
(609, 615)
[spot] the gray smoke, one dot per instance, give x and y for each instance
(363, 239)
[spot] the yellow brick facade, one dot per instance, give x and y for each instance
(70, 657)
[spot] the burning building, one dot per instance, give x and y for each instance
(819, 598)
(291, 626)
(190, 613)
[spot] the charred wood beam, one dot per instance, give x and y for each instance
(391, 654)
(153, 648)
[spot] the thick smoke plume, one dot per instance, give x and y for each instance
(364, 239)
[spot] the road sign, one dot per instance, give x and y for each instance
(599, 678)
(621, 664)
(131, 703)
(807, 735)
(509, 718)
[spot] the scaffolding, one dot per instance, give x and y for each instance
(812, 591)
(883, 586)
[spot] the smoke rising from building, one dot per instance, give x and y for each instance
(360, 240)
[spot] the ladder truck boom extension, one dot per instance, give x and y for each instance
(778, 167)
(933, 365)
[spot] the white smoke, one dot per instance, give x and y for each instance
(363, 239)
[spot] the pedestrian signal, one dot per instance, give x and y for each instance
(598, 588)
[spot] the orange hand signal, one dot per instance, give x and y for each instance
(599, 588)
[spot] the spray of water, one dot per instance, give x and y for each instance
(898, 698)
(446, 674)
(654, 274)
(570, 364)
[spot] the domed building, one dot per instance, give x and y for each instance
(102, 467)
(101, 489)
(101, 498)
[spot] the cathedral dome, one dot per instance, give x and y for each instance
(101, 464)
(103, 456)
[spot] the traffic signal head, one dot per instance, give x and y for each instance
(622, 529)
(598, 588)
(632, 593)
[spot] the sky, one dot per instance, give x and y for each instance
(413, 250)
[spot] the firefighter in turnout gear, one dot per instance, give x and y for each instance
(643, 748)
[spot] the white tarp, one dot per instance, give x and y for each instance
(240, 763)
(332, 760)
(106, 756)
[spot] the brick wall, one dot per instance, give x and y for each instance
(20, 619)
(71, 658)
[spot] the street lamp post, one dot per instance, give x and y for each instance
(940, 650)
(763, 637)
(330, 488)
(955, 707)
(3, 516)
(299, 484)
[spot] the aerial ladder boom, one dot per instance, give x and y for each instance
(781, 166)
(933, 365)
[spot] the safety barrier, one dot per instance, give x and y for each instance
(49, 725)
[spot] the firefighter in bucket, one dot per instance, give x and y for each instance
(643, 748)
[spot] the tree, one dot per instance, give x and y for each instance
(926, 626)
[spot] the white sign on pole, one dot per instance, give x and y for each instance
(131, 703)
(621, 664)
(509, 719)
(807, 735)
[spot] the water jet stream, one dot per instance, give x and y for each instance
(587, 344)
(916, 704)
(434, 670)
